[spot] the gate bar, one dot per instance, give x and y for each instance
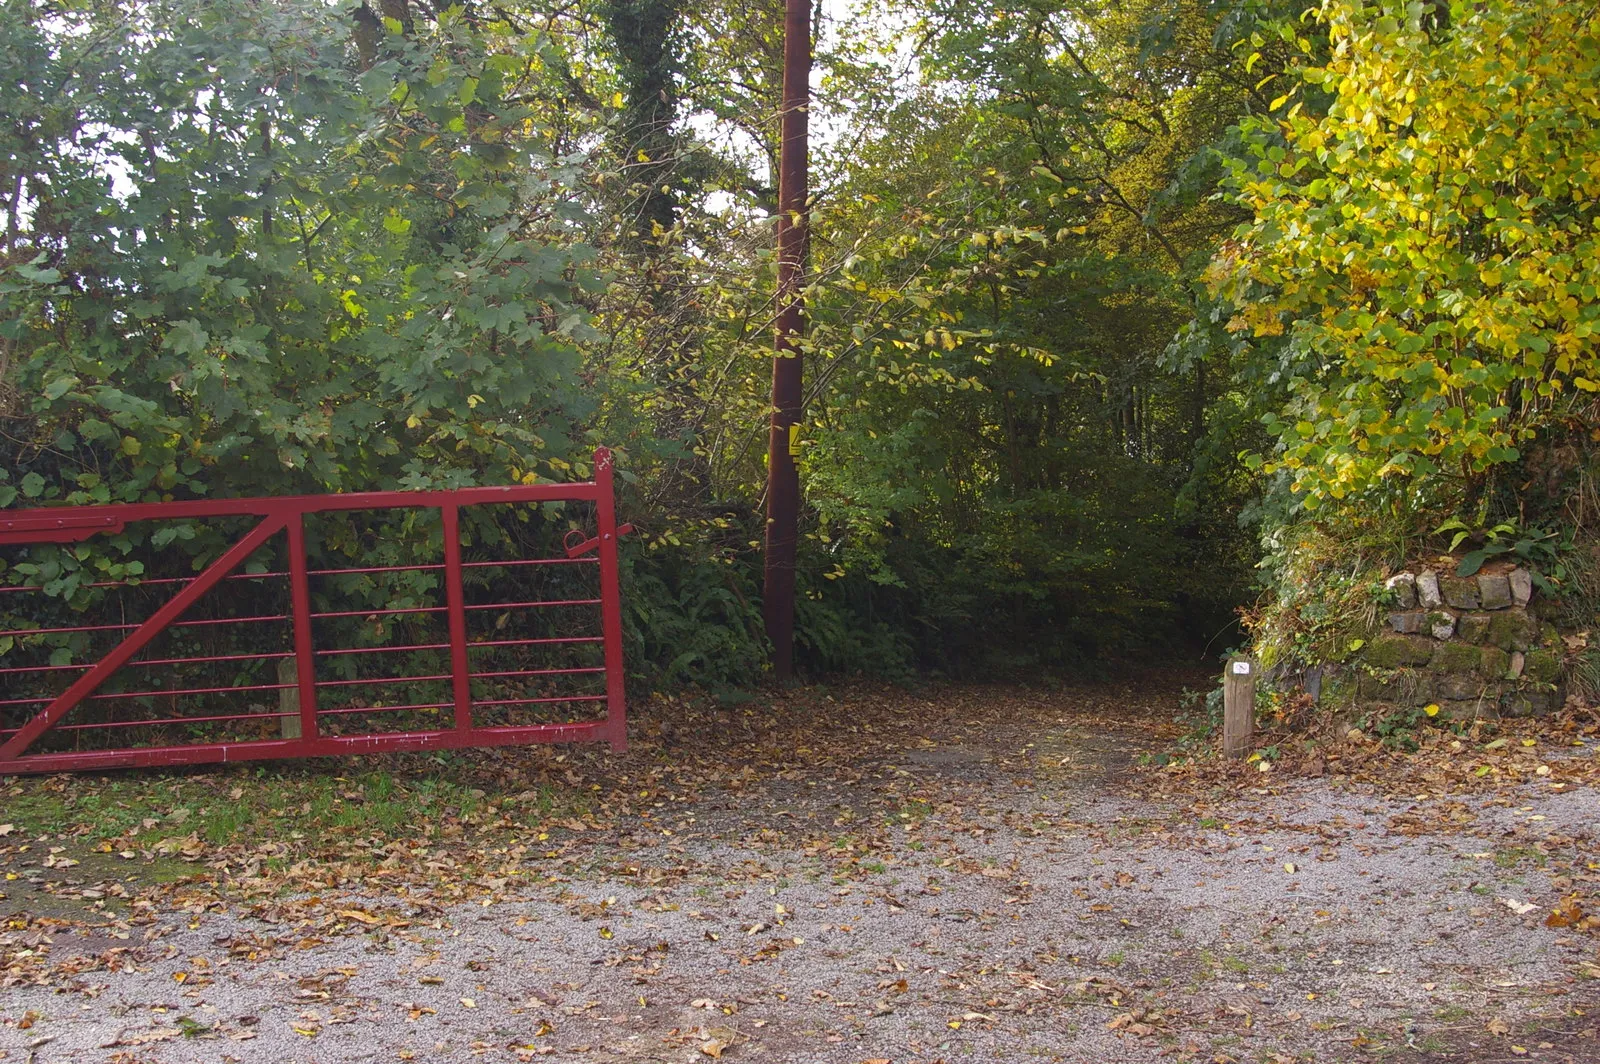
(13, 530)
(321, 746)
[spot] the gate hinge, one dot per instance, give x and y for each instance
(69, 528)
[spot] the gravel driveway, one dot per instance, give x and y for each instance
(940, 888)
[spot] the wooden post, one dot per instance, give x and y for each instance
(289, 698)
(1238, 707)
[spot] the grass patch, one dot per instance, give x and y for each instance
(1511, 856)
(298, 805)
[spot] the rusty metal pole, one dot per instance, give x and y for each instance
(783, 479)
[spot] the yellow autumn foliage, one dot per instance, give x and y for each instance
(1429, 247)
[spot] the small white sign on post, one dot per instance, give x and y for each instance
(1241, 668)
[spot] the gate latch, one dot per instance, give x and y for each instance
(582, 547)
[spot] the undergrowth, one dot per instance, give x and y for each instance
(1326, 590)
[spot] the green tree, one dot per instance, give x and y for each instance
(286, 264)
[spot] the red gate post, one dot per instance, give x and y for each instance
(605, 505)
(455, 600)
(305, 659)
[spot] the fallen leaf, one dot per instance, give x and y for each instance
(363, 917)
(1567, 914)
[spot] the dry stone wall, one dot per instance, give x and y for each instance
(1474, 646)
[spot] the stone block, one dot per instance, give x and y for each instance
(1456, 657)
(1459, 592)
(1468, 709)
(1542, 666)
(1493, 663)
(1339, 687)
(1393, 651)
(1428, 596)
(1472, 627)
(1403, 586)
(1513, 630)
(1521, 583)
(1494, 591)
(1526, 703)
(1518, 662)
(1409, 622)
(1404, 687)
(1458, 686)
(1442, 625)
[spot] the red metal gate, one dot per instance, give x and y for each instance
(171, 681)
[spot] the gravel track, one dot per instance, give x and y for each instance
(973, 900)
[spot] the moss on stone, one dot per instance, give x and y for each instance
(1459, 592)
(1404, 687)
(1542, 666)
(1391, 652)
(1340, 689)
(1493, 663)
(1473, 627)
(1456, 657)
(1513, 630)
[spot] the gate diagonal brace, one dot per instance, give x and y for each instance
(139, 638)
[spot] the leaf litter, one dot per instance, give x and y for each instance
(849, 874)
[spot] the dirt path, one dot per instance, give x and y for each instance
(956, 875)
